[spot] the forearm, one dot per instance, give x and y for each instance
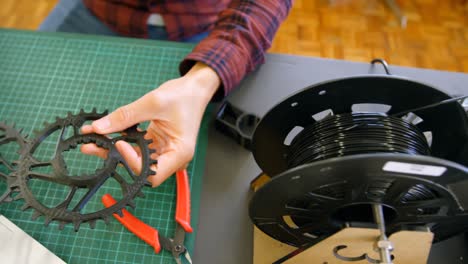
(204, 82)
(238, 42)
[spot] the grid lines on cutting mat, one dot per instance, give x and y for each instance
(44, 75)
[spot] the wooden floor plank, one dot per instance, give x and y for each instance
(436, 36)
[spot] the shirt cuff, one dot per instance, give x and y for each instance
(224, 57)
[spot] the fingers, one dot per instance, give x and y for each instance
(87, 129)
(131, 155)
(123, 117)
(168, 163)
(93, 149)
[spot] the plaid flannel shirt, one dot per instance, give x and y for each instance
(240, 30)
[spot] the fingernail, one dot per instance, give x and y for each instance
(102, 123)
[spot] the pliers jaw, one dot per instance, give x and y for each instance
(150, 235)
(176, 245)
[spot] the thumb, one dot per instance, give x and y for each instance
(126, 116)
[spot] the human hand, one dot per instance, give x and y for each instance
(175, 111)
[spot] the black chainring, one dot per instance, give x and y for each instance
(8, 134)
(67, 211)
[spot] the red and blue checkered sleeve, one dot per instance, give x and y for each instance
(239, 39)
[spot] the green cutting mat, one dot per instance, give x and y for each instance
(44, 75)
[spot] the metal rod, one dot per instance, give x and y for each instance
(379, 218)
(383, 244)
(384, 64)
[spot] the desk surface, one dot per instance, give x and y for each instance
(225, 230)
(44, 75)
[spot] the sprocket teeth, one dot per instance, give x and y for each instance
(92, 224)
(151, 172)
(106, 112)
(119, 212)
(61, 215)
(36, 215)
(25, 207)
(47, 221)
(76, 225)
(154, 162)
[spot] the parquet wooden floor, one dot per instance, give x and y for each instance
(436, 35)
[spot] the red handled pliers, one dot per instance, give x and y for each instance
(150, 235)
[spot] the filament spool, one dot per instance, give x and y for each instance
(356, 133)
(310, 197)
